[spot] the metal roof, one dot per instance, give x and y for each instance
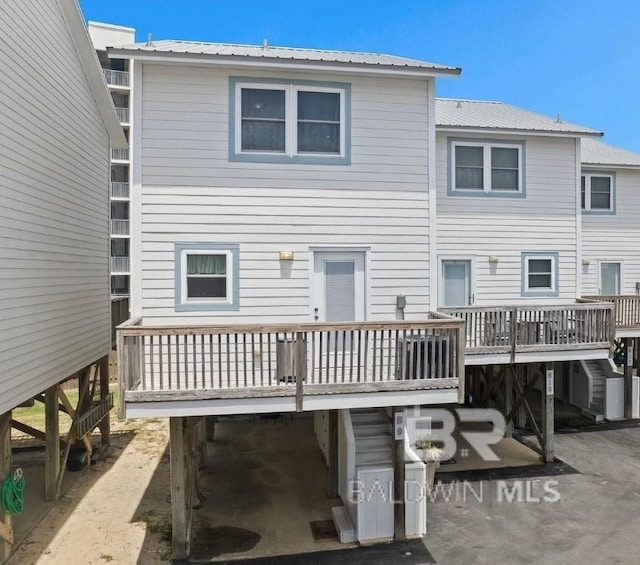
(489, 115)
(278, 54)
(597, 153)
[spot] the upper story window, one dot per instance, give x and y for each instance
(598, 193)
(296, 121)
(539, 273)
(206, 276)
(486, 168)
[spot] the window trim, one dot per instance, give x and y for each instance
(291, 88)
(487, 191)
(587, 174)
(232, 301)
(525, 290)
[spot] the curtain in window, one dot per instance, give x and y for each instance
(206, 264)
(340, 291)
(469, 167)
(504, 168)
(318, 122)
(263, 120)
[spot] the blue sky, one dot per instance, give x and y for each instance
(576, 58)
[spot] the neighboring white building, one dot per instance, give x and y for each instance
(118, 78)
(610, 232)
(57, 125)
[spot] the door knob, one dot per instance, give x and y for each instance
(315, 317)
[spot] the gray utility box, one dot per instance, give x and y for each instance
(285, 360)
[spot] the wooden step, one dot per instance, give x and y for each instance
(374, 458)
(366, 430)
(342, 521)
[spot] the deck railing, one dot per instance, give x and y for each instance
(227, 361)
(123, 114)
(119, 154)
(626, 308)
(116, 78)
(119, 265)
(119, 189)
(521, 329)
(119, 227)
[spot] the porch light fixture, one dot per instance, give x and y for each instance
(493, 258)
(586, 262)
(286, 255)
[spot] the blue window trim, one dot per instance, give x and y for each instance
(181, 306)
(597, 173)
(462, 193)
(280, 158)
(555, 256)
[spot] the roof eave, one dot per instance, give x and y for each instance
(609, 166)
(521, 131)
(93, 72)
(280, 63)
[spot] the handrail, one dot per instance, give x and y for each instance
(626, 308)
(533, 327)
(241, 360)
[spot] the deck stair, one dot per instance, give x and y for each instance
(372, 432)
(598, 387)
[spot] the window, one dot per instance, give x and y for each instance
(303, 122)
(597, 193)
(486, 168)
(540, 274)
(206, 276)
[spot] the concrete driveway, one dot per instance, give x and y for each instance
(592, 517)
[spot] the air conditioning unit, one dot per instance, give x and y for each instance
(421, 357)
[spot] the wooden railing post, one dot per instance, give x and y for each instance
(513, 332)
(300, 368)
(460, 369)
(123, 370)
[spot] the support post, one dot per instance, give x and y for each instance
(6, 525)
(201, 432)
(211, 427)
(399, 423)
(522, 374)
(105, 424)
(180, 510)
(628, 378)
(508, 397)
(52, 443)
(548, 413)
(333, 453)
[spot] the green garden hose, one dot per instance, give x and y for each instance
(12, 500)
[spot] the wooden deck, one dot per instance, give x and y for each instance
(508, 334)
(185, 363)
(626, 309)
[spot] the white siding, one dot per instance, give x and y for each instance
(614, 237)
(505, 227)
(192, 193)
(54, 284)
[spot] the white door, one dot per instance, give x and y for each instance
(610, 278)
(455, 282)
(338, 287)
